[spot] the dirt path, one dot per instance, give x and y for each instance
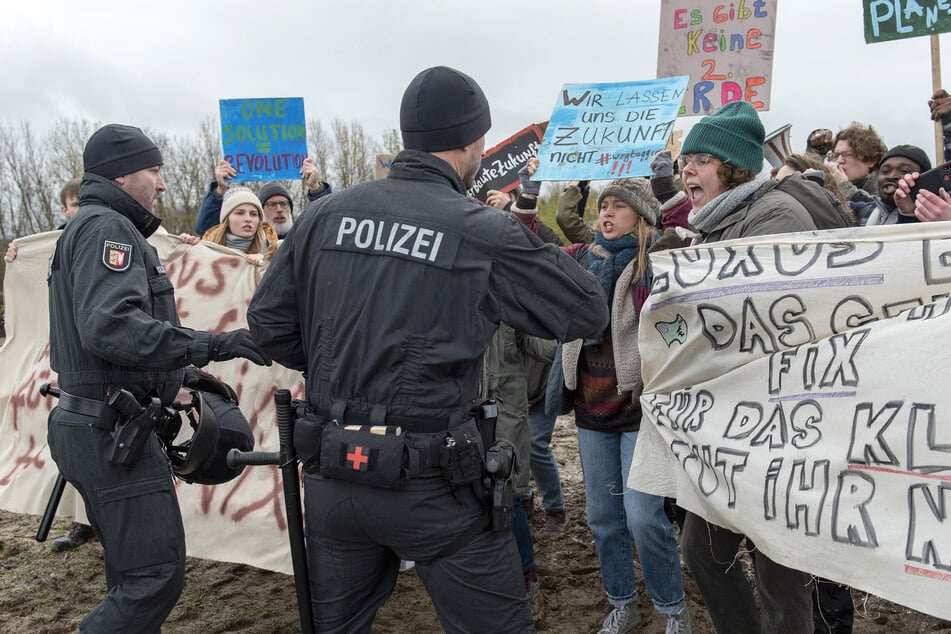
(41, 591)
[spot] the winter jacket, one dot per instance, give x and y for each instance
(388, 293)
(113, 320)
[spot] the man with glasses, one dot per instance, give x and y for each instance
(276, 200)
(856, 152)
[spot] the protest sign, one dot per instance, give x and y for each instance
(213, 285)
(605, 131)
(795, 392)
(725, 48)
(897, 19)
(264, 139)
(381, 168)
(500, 164)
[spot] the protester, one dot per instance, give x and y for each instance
(940, 106)
(68, 205)
(241, 227)
(602, 385)
(394, 334)
(80, 533)
(897, 162)
(275, 199)
(523, 201)
(857, 149)
(722, 168)
(114, 324)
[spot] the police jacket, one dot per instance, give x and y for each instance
(387, 294)
(113, 320)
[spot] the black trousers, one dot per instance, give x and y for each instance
(357, 534)
(832, 609)
(136, 515)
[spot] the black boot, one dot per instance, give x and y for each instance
(80, 534)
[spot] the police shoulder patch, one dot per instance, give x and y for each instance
(116, 255)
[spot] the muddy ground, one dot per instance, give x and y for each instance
(41, 591)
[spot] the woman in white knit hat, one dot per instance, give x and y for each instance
(241, 226)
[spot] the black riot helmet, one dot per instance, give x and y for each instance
(218, 426)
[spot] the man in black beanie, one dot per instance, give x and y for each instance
(114, 325)
(386, 296)
(895, 164)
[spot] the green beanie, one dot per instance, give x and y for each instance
(733, 134)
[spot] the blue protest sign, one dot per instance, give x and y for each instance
(605, 131)
(264, 139)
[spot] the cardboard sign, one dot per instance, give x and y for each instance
(500, 164)
(795, 391)
(725, 48)
(381, 167)
(264, 139)
(606, 131)
(897, 19)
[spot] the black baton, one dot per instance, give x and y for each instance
(57, 493)
(290, 476)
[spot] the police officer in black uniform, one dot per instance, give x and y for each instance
(114, 324)
(386, 295)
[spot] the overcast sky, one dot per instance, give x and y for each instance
(164, 64)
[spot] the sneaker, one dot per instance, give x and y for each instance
(678, 623)
(80, 534)
(533, 588)
(555, 522)
(621, 619)
(406, 565)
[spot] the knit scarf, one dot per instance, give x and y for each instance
(607, 259)
(710, 215)
(237, 242)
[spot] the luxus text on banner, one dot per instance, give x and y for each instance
(605, 131)
(264, 139)
(795, 392)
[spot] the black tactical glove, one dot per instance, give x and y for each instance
(236, 343)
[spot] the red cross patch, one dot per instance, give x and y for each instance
(116, 255)
(358, 457)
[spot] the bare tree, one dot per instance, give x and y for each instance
(353, 153)
(392, 141)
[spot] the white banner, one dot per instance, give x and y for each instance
(796, 392)
(241, 521)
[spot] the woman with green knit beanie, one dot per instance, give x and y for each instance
(722, 169)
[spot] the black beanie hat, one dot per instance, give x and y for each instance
(911, 152)
(116, 150)
(443, 109)
(269, 190)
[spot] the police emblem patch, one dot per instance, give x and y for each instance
(116, 256)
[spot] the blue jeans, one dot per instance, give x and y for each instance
(616, 514)
(523, 538)
(544, 468)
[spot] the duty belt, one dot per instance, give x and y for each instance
(79, 405)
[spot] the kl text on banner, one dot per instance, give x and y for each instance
(794, 392)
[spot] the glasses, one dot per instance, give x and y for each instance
(846, 155)
(277, 205)
(700, 160)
